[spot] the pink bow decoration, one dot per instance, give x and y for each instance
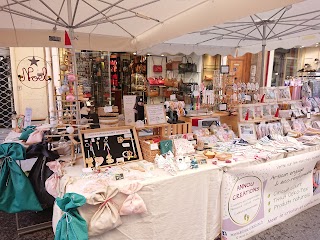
(53, 182)
(133, 204)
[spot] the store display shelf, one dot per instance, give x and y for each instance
(153, 126)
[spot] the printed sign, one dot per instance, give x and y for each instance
(257, 198)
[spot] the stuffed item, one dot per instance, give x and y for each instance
(134, 204)
(107, 216)
(52, 183)
(165, 146)
(26, 132)
(35, 137)
(71, 226)
(40, 172)
(17, 194)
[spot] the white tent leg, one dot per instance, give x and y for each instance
(263, 53)
(74, 62)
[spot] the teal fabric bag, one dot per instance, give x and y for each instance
(16, 191)
(165, 146)
(26, 132)
(71, 226)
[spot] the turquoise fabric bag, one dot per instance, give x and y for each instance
(26, 132)
(16, 191)
(71, 226)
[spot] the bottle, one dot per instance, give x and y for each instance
(14, 119)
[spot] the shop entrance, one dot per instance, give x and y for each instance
(6, 96)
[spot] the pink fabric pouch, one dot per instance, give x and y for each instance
(133, 204)
(52, 183)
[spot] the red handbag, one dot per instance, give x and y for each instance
(153, 81)
(160, 81)
(157, 68)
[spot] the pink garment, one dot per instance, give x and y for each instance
(52, 183)
(134, 204)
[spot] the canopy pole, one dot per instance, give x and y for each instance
(264, 43)
(74, 60)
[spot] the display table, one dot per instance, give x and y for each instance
(185, 206)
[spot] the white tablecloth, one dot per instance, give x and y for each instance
(181, 207)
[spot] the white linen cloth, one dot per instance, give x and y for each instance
(185, 206)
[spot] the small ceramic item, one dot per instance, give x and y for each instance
(98, 161)
(70, 97)
(209, 154)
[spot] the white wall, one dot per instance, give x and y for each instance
(308, 55)
(24, 96)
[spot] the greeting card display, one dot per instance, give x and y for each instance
(284, 94)
(270, 94)
(246, 112)
(101, 147)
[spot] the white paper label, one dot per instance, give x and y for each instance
(172, 97)
(107, 109)
(125, 144)
(128, 135)
(316, 109)
(154, 146)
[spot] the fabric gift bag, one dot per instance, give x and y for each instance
(52, 183)
(165, 146)
(16, 192)
(40, 172)
(71, 226)
(35, 137)
(133, 204)
(26, 132)
(107, 216)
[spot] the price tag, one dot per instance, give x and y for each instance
(154, 146)
(316, 110)
(172, 97)
(196, 93)
(107, 109)
(125, 145)
(119, 176)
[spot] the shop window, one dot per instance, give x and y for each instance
(285, 65)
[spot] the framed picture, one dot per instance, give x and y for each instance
(258, 113)
(155, 114)
(273, 109)
(224, 69)
(270, 94)
(104, 147)
(266, 111)
(246, 109)
(284, 93)
(247, 131)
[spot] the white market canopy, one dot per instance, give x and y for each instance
(118, 25)
(287, 27)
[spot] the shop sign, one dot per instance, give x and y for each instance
(33, 72)
(261, 196)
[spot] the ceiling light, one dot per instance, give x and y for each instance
(134, 53)
(162, 55)
(142, 16)
(149, 54)
(302, 47)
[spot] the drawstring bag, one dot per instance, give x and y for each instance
(40, 172)
(107, 216)
(71, 226)
(16, 192)
(133, 204)
(52, 183)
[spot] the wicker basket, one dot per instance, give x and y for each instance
(147, 153)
